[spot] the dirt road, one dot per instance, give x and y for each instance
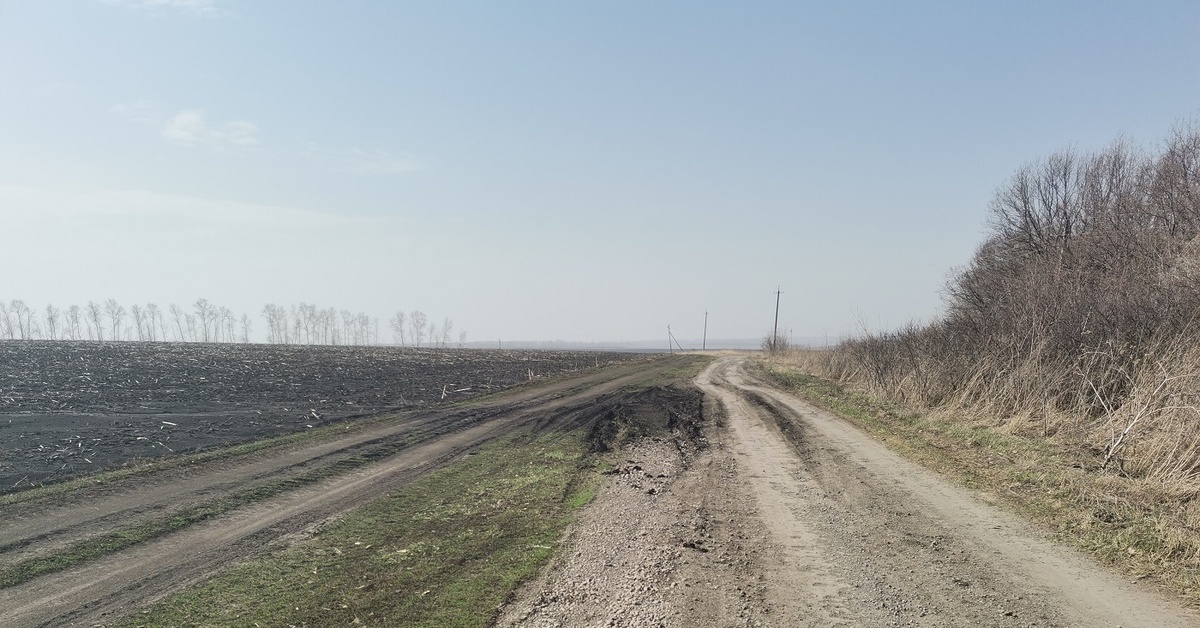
(399, 450)
(792, 517)
(778, 514)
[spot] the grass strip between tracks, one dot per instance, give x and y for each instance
(224, 452)
(1145, 531)
(446, 550)
(96, 547)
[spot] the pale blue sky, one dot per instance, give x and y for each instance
(551, 170)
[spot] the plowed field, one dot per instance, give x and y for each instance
(68, 408)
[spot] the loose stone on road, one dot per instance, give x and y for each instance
(788, 516)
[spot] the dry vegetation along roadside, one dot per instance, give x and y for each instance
(1140, 527)
(1063, 374)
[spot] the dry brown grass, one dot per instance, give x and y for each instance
(1141, 515)
(1065, 373)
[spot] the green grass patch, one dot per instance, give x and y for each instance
(582, 498)
(95, 547)
(683, 367)
(445, 551)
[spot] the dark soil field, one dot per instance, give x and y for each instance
(68, 408)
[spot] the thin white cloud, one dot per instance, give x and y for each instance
(206, 8)
(143, 111)
(365, 162)
(381, 162)
(190, 127)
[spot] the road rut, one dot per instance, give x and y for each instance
(785, 515)
(95, 592)
(866, 538)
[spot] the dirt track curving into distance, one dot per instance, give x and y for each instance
(778, 514)
(789, 516)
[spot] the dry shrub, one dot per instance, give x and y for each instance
(1155, 432)
(1075, 318)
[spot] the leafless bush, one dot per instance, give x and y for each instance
(776, 344)
(1077, 314)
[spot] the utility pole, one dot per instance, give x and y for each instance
(775, 332)
(704, 342)
(669, 346)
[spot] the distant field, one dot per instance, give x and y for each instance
(77, 407)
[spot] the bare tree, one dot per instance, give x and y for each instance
(154, 322)
(24, 318)
(139, 321)
(447, 328)
(462, 339)
(1175, 186)
(277, 323)
(6, 323)
(95, 321)
(329, 318)
(228, 324)
(74, 323)
(246, 328)
(52, 317)
(177, 316)
(1041, 209)
(204, 315)
(397, 323)
(348, 322)
(416, 323)
(299, 326)
(369, 328)
(116, 315)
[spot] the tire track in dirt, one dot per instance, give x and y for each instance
(36, 528)
(96, 591)
(866, 538)
(28, 534)
(788, 516)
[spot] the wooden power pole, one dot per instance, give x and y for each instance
(704, 342)
(775, 331)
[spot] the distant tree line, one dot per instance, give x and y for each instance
(208, 322)
(413, 328)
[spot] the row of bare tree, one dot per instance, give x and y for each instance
(207, 322)
(1079, 311)
(308, 324)
(414, 327)
(110, 320)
